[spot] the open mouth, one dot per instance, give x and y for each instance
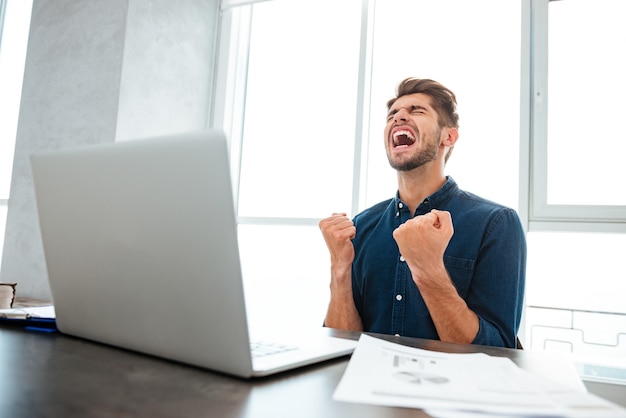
(403, 138)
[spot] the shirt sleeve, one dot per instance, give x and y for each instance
(497, 291)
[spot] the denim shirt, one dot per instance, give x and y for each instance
(485, 258)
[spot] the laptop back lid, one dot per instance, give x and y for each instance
(140, 241)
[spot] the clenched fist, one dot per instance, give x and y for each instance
(338, 231)
(422, 242)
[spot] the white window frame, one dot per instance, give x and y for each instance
(543, 216)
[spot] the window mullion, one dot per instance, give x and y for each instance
(539, 102)
(230, 85)
(363, 102)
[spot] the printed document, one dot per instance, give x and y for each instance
(449, 384)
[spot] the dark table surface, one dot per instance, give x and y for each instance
(55, 375)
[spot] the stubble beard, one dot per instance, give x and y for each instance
(427, 154)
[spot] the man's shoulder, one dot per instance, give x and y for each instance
(375, 221)
(374, 211)
(478, 202)
(373, 215)
(470, 207)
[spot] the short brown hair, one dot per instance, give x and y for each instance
(443, 99)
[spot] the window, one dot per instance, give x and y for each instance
(293, 81)
(14, 26)
(577, 214)
(577, 153)
(302, 94)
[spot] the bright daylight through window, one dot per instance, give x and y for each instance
(586, 82)
(14, 26)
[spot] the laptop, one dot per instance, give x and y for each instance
(140, 242)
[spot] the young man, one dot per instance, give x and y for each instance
(435, 261)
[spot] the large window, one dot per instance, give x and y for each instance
(304, 107)
(14, 26)
(303, 88)
(577, 211)
(290, 69)
(578, 89)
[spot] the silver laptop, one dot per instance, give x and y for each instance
(140, 240)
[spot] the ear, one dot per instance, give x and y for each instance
(449, 136)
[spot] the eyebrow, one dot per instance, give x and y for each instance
(411, 108)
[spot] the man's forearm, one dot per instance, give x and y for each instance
(453, 319)
(342, 313)
(343, 316)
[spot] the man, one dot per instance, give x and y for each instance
(434, 262)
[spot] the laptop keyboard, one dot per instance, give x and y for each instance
(264, 348)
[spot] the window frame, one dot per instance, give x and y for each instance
(543, 216)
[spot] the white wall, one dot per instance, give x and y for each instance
(96, 72)
(167, 70)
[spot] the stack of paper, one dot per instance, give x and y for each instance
(28, 313)
(460, 385)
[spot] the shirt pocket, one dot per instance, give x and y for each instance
(461, 271)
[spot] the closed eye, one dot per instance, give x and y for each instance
(418, 109)
(413, 109)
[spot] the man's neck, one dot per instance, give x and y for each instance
(416, 185)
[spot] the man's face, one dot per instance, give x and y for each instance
(412, 133)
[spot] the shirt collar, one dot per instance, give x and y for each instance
(435, 200)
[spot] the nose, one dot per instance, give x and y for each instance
(401, 115)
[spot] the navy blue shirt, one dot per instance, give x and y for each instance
(485, 258)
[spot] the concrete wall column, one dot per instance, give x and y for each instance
(99, 72)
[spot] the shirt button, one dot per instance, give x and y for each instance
(398, 297)
(397, 335)
(400, 205)
(402, 259)
(397, 214)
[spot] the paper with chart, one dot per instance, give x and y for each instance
(385, 373)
